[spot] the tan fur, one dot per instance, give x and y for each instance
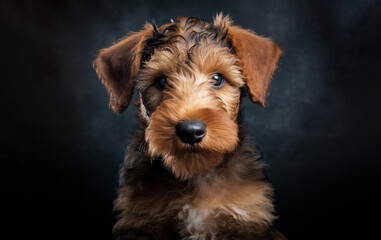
(192, 98)
(214, 189)
(258, 63)
(117, 67)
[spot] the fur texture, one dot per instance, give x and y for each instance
(214, 189)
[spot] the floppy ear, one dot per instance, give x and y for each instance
(118, 66)
(257, 57)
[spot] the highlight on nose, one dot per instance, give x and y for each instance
(191, 131)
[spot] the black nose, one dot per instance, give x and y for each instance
(191, 131)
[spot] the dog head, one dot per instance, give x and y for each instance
(188, 74)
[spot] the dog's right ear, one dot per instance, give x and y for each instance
(118, 66)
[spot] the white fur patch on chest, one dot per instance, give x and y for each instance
(194, 220)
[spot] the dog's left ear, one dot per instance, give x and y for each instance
(118, 66)
(258, 57)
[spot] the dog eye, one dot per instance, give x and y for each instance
(219, 80)
(161, 82)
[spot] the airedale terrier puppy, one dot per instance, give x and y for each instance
(190, 172)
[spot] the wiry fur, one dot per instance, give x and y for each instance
(214, 189)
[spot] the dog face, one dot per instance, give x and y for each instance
(188, 74)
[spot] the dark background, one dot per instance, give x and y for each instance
(61, 146)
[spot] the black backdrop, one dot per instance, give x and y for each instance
(61, 146)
